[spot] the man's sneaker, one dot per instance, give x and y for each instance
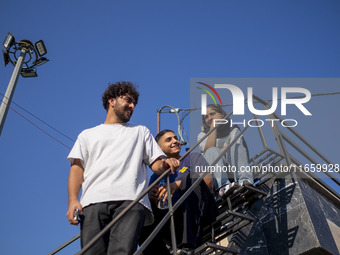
(247, 183)
(228, 189)
(186, 251)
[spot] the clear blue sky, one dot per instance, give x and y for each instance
(159, 45)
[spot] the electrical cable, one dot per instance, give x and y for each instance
(22, 108)
(179, 130)
(37, 126)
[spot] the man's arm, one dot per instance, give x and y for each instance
(75, 181)
(197, 159)
(161, 165)
(208, 179)
(157, 192)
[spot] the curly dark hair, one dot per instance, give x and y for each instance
(117, 89)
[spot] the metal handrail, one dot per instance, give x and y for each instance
(146, 191)
(280, 137)
(186, 194)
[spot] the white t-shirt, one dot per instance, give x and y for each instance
(115, 159)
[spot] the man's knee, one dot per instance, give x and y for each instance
(212, 151)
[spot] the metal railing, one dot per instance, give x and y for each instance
(280, 138)
(171, 208)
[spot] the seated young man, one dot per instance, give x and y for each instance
(196, 212)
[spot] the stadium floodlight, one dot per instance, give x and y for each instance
(24, 56)
(40, 61)
(9, 41)
(28, 72)
(6, 57)
(40, 46)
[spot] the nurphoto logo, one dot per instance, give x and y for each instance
(239, 103)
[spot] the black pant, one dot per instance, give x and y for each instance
(123, 236)
(196, 212)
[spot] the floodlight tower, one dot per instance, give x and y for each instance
(24, 56)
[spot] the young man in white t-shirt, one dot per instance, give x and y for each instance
(109, 163)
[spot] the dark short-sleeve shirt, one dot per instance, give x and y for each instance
(193, 162)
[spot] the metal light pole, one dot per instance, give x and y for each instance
(10, 89)
(35, 58)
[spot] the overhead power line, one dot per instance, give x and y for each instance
(50, 126)
(35, 125)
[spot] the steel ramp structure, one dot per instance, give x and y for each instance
(300, 213)
(289, 212)
(233, 216)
